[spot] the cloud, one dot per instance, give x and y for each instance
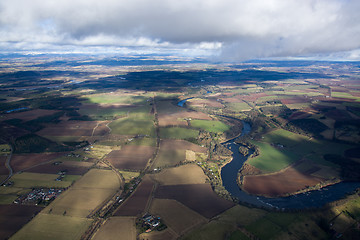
(240, 29)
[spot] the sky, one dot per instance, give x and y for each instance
(232, 30)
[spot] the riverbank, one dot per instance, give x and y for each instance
(302, 199)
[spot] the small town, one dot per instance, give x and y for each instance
(39, 196)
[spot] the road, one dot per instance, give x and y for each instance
(7, 165)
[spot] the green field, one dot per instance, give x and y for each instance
(143, 142)
(169, 157)
(238, 235)
(213, 230)
(238, 106)
(343, 95)
(242, 215)
(118, 99)
(30, 180)
(7, 199)
(210, 126)
(272, 159)
(178, 133)
(55, 227)
(304, 146)
(111, 111)
(264, 228)
(133, 125)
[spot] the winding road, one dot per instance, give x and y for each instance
(7, 165)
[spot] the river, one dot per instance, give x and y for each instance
(312, 199)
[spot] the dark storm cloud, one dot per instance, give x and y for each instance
(241, 29)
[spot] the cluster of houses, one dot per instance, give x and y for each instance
(37, 196)
(151, 221)
(61, 174)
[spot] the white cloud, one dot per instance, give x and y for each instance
(240, 28)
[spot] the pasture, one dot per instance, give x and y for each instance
(185, 219)
(133, 125)
(272, 159)
(133, 98)
(213, 230)
(56, 227)
(32, 180)
(115, 227)
(238, 106)
(287, 147)
(210, 126)
(178, 133)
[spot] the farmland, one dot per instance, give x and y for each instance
(178, 133)
(87, 194)
(117, 226)
(13, 218)
(137, 202)
(45, 226)
(131, 157)
(210, 126)
(186, 174)
(133, 125)
(287, 181)
(185, 218)
(120, 146)
(173, 152)
(198, 197)
(272, 159)
(32, 180)
(24, 161)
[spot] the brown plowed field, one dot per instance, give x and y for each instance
(69, 128)
(30, 115)
(3, 169)
(185, 219)
(198, 197)
(299, 115)
(9, 133)
(13, 217)
(137, 202)
(73, 168)
(278, 184)
(23, 161)
(293, 100)
(131, 157)
(171, 144)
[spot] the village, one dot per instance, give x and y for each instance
(39, 196)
